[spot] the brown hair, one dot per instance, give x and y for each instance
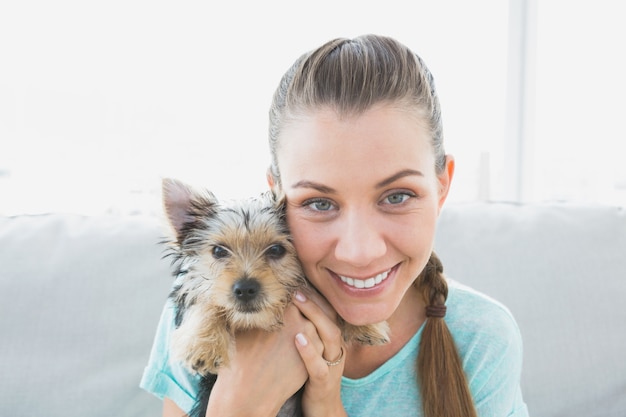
(442, 380)
(350, 76)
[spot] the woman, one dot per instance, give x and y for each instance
(357, 150)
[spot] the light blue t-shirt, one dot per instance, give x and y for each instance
(486, 335)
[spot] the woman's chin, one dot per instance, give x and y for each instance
(360, 319)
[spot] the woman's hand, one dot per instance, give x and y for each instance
(322, 351)
(268, 368)
(264, 372)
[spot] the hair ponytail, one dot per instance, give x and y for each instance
(444, 388)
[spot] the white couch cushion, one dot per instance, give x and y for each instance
(79, 301)
(561, 269)
(80, 298)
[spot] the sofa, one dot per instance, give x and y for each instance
(80, 298)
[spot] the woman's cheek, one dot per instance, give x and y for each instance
(307, 238)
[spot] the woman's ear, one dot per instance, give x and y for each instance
(445, 180)
(270, 178)
(275, 188)
(273, 182)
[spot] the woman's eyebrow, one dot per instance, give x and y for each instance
(314, 185)
(328, 190)
(401, 174)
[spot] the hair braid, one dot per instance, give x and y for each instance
(445, 392)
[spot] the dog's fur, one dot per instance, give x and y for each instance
(236, 269)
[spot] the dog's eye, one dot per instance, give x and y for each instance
(276, 251)
(220, 252)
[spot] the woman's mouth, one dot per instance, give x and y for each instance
(365, 283)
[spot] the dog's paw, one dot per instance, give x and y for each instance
(205, 366)
(200, 353)
(372, 334)
(198, 366)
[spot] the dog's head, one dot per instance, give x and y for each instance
(235, 256)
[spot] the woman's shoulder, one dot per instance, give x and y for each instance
(490, 344)
(475, 318)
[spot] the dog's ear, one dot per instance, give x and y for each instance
(279, 200)
(183, 205)
(177, 198)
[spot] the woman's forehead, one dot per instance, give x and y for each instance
(386, 129)
(383, 139)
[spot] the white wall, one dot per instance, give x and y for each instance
(99, 100)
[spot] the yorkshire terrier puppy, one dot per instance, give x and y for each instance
(236, 269)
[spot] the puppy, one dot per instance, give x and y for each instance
(236, 270)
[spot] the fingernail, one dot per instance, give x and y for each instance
(300, 297)
(301, 339)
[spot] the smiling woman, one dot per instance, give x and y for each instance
(357, 200)
(357, 155)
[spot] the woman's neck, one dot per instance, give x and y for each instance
(362, 360)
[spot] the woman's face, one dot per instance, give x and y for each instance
(363, 198)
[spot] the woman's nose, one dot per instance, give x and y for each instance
(359, 240)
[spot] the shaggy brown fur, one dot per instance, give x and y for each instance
(236, 270)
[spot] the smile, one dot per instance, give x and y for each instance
(365, 283)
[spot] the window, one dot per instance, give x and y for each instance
(579, 137)
(100, 101)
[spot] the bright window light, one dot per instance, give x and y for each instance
(100, 100)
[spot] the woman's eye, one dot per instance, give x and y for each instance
(319, 205)
(397, 198)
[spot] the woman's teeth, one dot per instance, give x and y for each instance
(365, 283)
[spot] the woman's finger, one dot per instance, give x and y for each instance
(312, 294)
(322, 393)
(325, 324)
(317, 366)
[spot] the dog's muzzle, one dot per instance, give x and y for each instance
(246, 290)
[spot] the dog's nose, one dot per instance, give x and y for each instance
(246, 289)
